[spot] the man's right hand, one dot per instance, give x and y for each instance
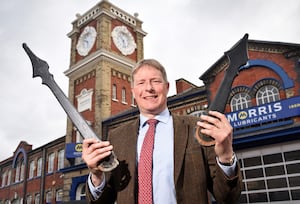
(93, 151)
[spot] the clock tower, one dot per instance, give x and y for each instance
(106, 43)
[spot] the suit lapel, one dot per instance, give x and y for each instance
(180, 143)
(128, 143)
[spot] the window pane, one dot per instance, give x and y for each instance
(294, 181)
(258, 197)
(296, 194)
(254, 161)
(254, 173)
(256, 185)
(275, 170)
(291, 156)
(272, 158)
(293, 168)
(276, 183)
(279, 196)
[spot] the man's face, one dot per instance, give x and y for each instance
(150, 91)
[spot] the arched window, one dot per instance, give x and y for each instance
(4, 175)
(37, 198)
(61, 157)
(51, 163)
(9, 177)
(48, 197)
(18, 170)
(80, 192)
(29, 199)
(59, 196)
(39, 167)
(31, 169)
(22, 173)
(240, 101)
(267, 94)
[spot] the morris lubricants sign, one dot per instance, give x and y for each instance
(73, 150)
(265, 113)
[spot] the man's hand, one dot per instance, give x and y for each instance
(216, 125)
(93, 151)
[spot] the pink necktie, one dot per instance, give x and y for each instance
(145, 166)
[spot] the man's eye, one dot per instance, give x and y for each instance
(157, 81)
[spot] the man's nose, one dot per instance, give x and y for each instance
(149, 86)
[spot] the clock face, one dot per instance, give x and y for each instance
(123, 40)
(86, 40)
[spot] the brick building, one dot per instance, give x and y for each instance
(32, 175)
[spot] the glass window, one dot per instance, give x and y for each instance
(31, 169)
(258, 197)
(51, 163)
(296, 194)
(59, 195)
(18, 169)
(274, 170)
(240, 101)
(123, 95)
(39, 167)
(114, 92)
(276, 183)
(37, 199)
(279, 196)
(253, 161)
(267, 94)
(4, 175)
(80, 192)
(272, 158)
(293, 168)
(9, 177)
(254, 173)
(48, 197)
(61, 157)
(292, 156)
(272, 177)
(22, 173)
(256, 185)
(294, 181)
(29, 199)
(132, 100)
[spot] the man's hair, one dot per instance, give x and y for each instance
(150, 62)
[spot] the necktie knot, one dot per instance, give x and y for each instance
(152, 122)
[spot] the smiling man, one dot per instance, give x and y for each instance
(177, 169)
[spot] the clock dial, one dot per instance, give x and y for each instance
(86, 40)
(123, 40)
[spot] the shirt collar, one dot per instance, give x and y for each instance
(163, 117)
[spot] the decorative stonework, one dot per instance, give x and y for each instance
(123, 16)
(92, 14)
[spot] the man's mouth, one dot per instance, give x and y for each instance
(150, 97)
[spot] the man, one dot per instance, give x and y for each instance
(182, 170)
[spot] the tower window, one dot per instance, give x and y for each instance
(124, 96)
(114, 93)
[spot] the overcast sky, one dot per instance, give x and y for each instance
(186, 36)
